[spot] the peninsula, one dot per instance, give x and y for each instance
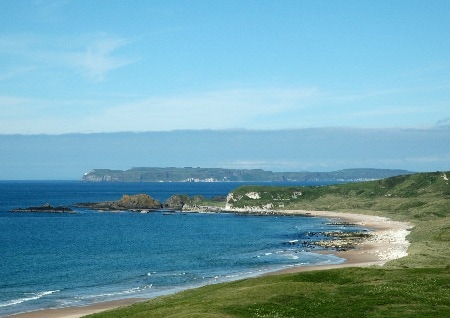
(190, 174)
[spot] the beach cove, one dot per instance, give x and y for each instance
(387, 242)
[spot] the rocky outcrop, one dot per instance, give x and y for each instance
(136, 202)
(46, 208)
(176, 201)
(144, 203)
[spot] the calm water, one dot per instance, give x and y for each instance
(58, 260)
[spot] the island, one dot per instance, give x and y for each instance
(46, 208)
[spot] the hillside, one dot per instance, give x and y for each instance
(414, 195)
(414, 286)
(190, 174)
(422, 199)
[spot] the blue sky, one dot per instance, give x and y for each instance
(108, 66)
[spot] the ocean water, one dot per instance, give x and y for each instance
(60, 260)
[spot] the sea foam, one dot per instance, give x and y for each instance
(33, 296)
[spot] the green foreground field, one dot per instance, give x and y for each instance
(414, 286)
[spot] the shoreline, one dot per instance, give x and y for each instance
(388, 242)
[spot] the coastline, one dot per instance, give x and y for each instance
(388, 242)
(76, 312)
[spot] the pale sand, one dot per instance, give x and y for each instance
(388, 242)
(76, 312)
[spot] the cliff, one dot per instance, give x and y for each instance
(189, 174)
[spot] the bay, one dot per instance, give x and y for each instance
(60, 260)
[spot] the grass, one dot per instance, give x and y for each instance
(414, 286)
(348, 292)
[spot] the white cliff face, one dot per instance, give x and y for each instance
(230, 200)
(296, 194)
(253, 195)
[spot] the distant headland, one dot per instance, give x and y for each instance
(191, 174)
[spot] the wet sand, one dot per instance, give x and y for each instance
(75, 312)
(388, 242)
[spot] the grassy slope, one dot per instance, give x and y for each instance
(349, 292)
(415, 286)
(421, 199)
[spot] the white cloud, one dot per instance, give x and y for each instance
(93, 56)
(260, 108)
(98, 59)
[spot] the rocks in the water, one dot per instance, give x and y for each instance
(136, 202)
(145, 203)
(176, 201)
(46, 208)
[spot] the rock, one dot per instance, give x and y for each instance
(176, 201)
(46, 208)
(136, 202)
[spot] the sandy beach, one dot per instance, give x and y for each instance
(387, 242)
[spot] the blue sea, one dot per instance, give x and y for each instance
(60, 260)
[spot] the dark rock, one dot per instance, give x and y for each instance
(46, 208)
(176, 201)
(127, 202)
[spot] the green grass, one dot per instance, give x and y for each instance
(414, 286)
(349, 292)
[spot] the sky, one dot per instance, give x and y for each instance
(283, 85)
(113, 66)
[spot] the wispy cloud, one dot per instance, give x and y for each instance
(249, 107)
(14, 72)
(7, 102)
(263, 107)
(98, 58)
(220, 109)
(93, 56)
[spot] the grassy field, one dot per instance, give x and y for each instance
(347, 292)
(415, 286)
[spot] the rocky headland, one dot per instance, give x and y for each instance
(191, 174)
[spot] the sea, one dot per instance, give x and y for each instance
(54, 260)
